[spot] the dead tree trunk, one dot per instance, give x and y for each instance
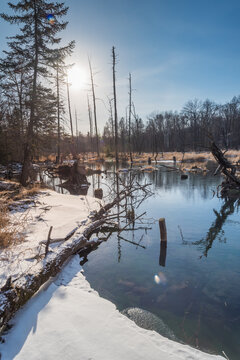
(94, 106)
(69, 109)
(232, 182)
(115, 106)
(129, 118)
(90, 124)
(77, 135)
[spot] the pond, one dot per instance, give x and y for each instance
(189, 291)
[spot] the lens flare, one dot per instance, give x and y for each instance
(51, 19)
(160, 278)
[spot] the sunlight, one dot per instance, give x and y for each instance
(77, 77)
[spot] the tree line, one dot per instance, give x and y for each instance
(185, 130)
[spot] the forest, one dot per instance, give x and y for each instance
(36, 113)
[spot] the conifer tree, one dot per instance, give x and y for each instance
(37, 43)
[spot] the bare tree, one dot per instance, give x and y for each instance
(115, 104)
(129, 118)
(77, 134)
(94, 106)
(90, 123)
(69, 108)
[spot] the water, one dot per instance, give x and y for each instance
(197, 293)
(195, 297)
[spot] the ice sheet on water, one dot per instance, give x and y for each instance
(149, 321)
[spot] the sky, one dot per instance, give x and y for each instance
(175, 50)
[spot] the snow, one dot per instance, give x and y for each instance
(68, 320)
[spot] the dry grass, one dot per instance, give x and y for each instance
(6, 232)
(27, 192)
(51, 157)
(188, 156)
(17, 192)
(11, 228)
(10, 231)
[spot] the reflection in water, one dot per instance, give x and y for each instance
(227, 209)
(75, 189)
(163, 242)
(163, 253)
(161, 180)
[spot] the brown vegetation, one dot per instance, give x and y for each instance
(10, 229)
(13, 195)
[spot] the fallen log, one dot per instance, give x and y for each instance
(14, 294)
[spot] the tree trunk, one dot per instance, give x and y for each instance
(28, 151)
(115, 106)
(94, 106)
(58, 116)
(129, 118)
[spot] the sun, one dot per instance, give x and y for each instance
(77, 77)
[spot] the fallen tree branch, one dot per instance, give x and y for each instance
(48, 241)
(131, 242)
(17, 293)
(14, 294)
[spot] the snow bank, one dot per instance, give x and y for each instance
(64, 212)
(67, 320)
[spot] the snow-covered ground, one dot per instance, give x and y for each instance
(63, 212)
(67, 319)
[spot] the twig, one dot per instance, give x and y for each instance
(48, 241)
(131, 242)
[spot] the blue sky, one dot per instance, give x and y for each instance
(176, 50)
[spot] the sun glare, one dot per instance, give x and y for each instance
(77, 77)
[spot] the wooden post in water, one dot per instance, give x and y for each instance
(163, 244)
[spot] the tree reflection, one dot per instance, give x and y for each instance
(215, 230)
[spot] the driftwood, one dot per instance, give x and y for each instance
(232, 182)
